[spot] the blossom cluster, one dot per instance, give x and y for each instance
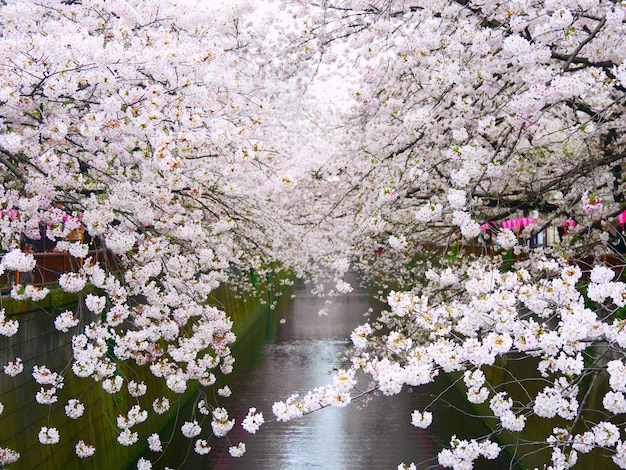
(17, 260)
(8, 456)
(84, 450)
(220, 423)
(463, 453)
(8, 327)
(253, 421)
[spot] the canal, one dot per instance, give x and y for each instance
(295, 350)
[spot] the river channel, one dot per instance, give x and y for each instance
(295, 350)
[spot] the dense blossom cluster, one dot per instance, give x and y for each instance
(163, 153)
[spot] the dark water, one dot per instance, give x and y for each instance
(278, 359)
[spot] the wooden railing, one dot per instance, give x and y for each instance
(50, 266)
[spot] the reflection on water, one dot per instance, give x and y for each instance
(276, 360)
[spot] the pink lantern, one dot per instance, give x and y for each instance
(622, 219)
(519, 222)
(567, 223)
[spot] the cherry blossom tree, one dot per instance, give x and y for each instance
(465, 156)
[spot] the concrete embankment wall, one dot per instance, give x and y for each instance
(38, 343)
